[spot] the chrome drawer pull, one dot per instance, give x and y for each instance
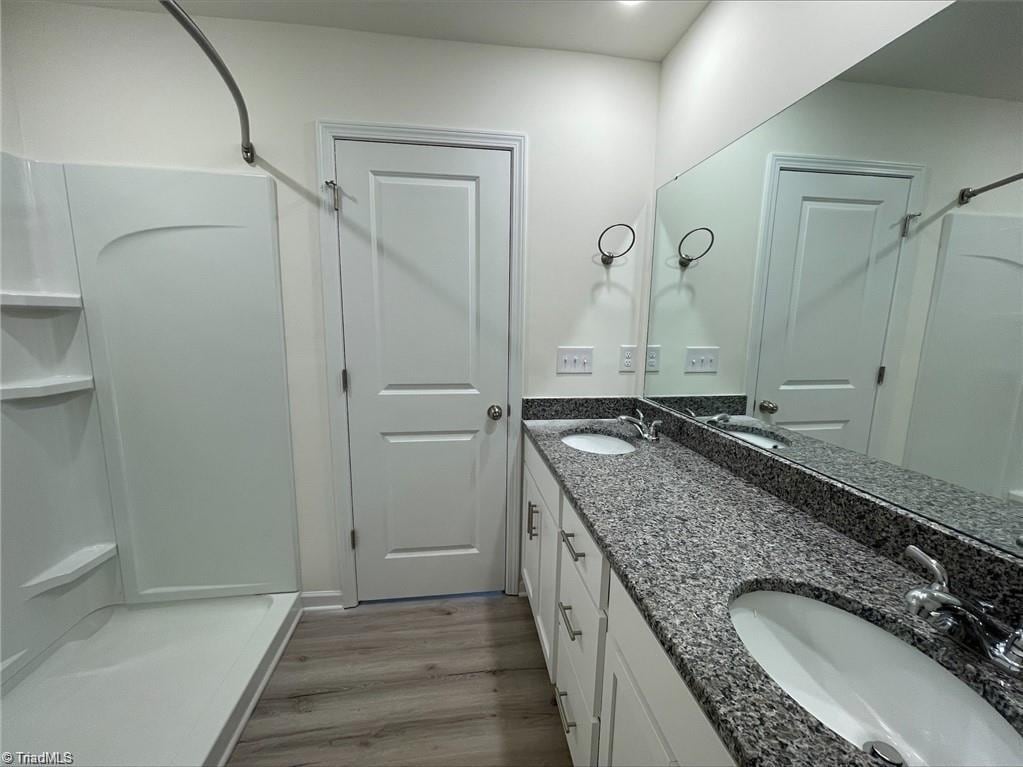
(576, 555)
(558, 695)
(530, 530)
(572, 633)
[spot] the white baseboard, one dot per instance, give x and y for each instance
(321, 600)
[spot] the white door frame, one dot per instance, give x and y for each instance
(327, 133)
(894, 342)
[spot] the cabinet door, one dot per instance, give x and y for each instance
(629, 735)
(531, 513)
(548, 586)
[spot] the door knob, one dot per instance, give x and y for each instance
(766, 406)
(495, 412)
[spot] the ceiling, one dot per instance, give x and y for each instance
(639, 30)
(972, 48)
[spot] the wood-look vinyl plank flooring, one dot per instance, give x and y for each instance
(457, 681)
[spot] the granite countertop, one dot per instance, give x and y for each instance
(990, 519)
(685, 536)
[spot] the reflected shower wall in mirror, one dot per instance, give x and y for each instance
(848, 306)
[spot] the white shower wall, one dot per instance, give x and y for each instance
(55, 503)
(181, 288)
(969, 395)
(154, 395)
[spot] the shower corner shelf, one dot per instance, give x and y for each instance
(23, 299)
(45, 387)
(69, 569)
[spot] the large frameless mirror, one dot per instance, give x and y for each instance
(820, 288)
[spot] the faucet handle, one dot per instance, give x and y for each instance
(639, 412)
(939, 576)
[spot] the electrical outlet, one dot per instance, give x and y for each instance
(627, 358)
(702, 359)
(575, 359)
(653, 358)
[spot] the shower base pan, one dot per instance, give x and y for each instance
(169, 684)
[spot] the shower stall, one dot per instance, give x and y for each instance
(149, 565)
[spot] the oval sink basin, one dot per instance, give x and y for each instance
(869, 686)
(603, 444)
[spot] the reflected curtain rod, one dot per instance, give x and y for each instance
(175, 10)
(968, 193)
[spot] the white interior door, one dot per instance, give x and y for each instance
(425, 248)
(832, 261)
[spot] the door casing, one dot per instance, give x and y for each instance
(327, 133)
(894, 343)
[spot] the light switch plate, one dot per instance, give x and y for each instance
(577, 360)
(627, 362)
(653, 358)
(702, 359)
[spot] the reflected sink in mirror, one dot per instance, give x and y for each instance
(869, 686)
(602, 444)
(760, 440)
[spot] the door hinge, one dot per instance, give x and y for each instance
(353, 538)
(344, 380)
(880, 375)
(335, 192)
(906, 221)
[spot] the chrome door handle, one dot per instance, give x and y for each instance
(766, 406)
(530, 511)
(572, 632)
(495, 412)
(576, 555)
(565, 723)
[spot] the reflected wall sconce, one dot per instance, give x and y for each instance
(684, 260)
(607, 257)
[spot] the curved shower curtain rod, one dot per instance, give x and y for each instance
(175, 10)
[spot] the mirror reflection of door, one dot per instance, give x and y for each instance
(830, 268)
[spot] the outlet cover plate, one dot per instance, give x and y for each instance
(653, 358)
(627, 362)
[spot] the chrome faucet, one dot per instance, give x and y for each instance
(967, 621)
(647, 431)
(719, 419)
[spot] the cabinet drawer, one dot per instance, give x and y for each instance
(689, 736)
(581, 729)
(581, 550)
(545, 482)
(582, 627)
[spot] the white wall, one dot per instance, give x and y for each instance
(95, 85)
(745, 60)
(960, 140)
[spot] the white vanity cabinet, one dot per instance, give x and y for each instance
(620, 699)
(530, 539)
(648, 716)
(541, 523)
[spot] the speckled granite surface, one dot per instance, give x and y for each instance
(685, 536)
(982, 516)
(994, 521)
(974, 566)
(705, 404)
(546, 408)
